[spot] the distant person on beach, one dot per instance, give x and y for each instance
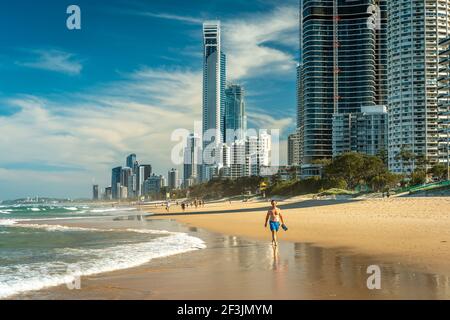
(273, 217)
(183, 206)
(168, 206)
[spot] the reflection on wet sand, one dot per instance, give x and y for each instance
(301, 270)
(236, 268)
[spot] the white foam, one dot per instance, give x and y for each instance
(7, 222)
(92, 261)
(71, 208)
(112, 210)
(35, 209)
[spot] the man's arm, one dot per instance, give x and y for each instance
(267, 218)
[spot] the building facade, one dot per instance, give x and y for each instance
(115, 182)
(363, 132)
(235, 117)
(192, 160)
(144, 171)
(294, 148)
(131, 160)
(153, 185)
(444, 104)
(172, 179)
(414, 31)
(333, 79)
(214, 82)
(95, 192)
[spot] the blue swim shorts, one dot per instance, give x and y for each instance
(274, 225)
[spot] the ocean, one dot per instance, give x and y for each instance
(34, 256)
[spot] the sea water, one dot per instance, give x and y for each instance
(34, 256)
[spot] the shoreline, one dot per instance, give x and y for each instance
(413, 231)
(240, 263)
(237, 268)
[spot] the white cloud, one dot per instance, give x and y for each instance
(95, 130)
(98, 129)
(168, 16)
(54, 60)
(250, 43)
(264, 120)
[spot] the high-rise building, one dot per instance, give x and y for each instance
(342, 67)
(153, 185)
(415, 29)
(444, 104)
(131, 160)
(124, 175)
(238, 159)
(214, 80)
(192, 160)
(235, 117)
(132, 185)
(108, 193)
(293, 149)
(364, 132)
(145, 171)
(95, 192)
(115, 182)
(173, 179)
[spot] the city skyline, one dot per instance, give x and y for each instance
(96, 99)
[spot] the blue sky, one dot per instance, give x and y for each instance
(73, 104)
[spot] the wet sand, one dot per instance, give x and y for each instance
(412, 231)
(234, 267)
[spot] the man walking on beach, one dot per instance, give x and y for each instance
(273, 217)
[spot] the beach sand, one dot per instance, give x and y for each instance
(409, 230)
(324, 254)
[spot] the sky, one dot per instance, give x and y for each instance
(75, 103)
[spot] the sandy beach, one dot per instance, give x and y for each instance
(414, 231)
(324, 254)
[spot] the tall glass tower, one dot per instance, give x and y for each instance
(214, 80)
(415, 29)
(342, 67)
(235, 117)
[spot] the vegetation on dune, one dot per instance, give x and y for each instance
(346, 174)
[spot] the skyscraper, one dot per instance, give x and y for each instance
(145, 171)
(172, 178)
(131, 160)
(214, 80)
(343, 54)
(414, 30)
(192, 160)
(95, 192)
(235, 117)
(115, 182)
(293, 149)
(444, 104)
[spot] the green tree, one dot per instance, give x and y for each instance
(418, 177)
(406, 156)
(348, 167)
(439, 171)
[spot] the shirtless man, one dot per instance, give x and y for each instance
(275, 216)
